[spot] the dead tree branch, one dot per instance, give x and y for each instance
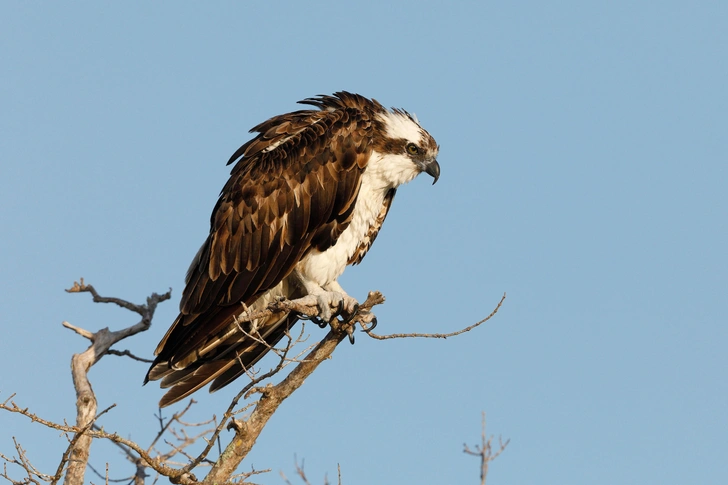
(299, 471)
(126, 353)
(302, 474)
(436, 335)
(247, 432)
(231, 410)
(32, 474)
(485, 451)
(101, 343)
(155, 463)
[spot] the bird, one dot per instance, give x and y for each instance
(306, 197)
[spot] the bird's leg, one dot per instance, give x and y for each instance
(332, 301)
(365, 317)
(347, 306)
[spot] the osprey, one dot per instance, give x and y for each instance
(306, 198)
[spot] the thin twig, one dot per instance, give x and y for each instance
(126, 353)
(164, 427)
(106, 477)
(437, 335)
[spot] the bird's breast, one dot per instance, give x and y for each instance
(324, 267)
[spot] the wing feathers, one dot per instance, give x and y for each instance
(293, 187)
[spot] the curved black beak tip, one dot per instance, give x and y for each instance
(433, 169)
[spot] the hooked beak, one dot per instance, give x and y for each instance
(432, 168)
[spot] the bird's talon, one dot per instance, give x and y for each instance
(340, 308)
(319, 322)
(302, 316)
(353, 314)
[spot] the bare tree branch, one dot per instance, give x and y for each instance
(243, 476)
(32, 474)
(14, 408)
(485, 451)
(247, 432)
(302, 474)
(72, 445)
(106, 478)
(164, 426)
(299, 471)
(146, 311)
(231, 411)
(126, 353)
(436, 335)
(101, 342)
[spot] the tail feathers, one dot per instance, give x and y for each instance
(235, 354)
(158, 371)
(240, 366)
(190, 381)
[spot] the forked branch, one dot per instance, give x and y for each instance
(75, 460)
(485, 451)
(77, 455)
(247, 432)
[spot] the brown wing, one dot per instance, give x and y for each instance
(292, 189)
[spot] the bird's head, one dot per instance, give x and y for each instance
(406, 147)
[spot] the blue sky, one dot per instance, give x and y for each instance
(583, 155)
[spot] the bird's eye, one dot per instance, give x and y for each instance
(412, 149)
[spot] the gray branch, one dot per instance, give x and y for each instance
(77, 454)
